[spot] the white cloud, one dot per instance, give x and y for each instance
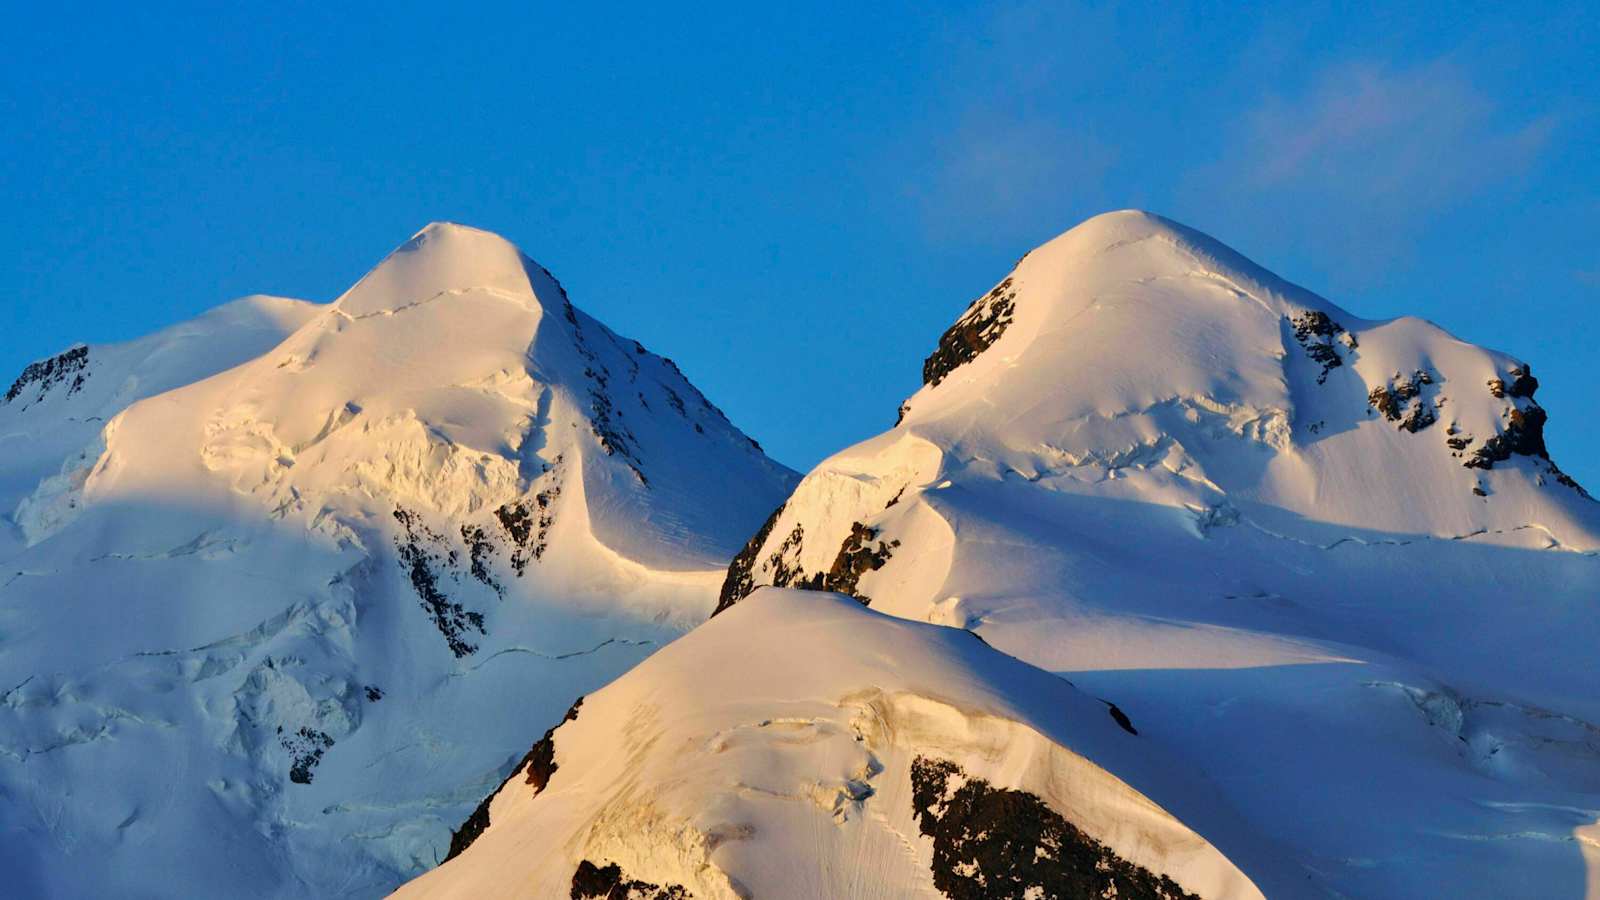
(1426, 131)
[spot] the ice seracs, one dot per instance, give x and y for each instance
(282, 584)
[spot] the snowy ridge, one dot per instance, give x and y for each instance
(278, 607)
(714, 770)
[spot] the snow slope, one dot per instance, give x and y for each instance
(805, 746)
(1322, 560)
(282, 584)
(56, 408)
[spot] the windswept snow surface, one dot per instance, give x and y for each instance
(1322, 561)
(281, 588)
(777, 752)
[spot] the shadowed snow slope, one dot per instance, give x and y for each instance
(804, 746)
(1324, 561)
(281, 585)
(58, 406)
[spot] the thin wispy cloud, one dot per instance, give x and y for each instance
(1368, 154)
(1428, 131)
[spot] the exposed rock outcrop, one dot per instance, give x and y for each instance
(592, 882)
(860, 553)
(539, 763)
(305, 747)
(422, 552)
(1401, 401)
(740, 580)
(1521, 384)
(978, 328)
(1318, 334)
(70, 368)
(1522, 433)
(997, 842)
(857, 556)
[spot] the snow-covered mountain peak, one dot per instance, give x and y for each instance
(1134, 341)
(1137, 360)
(1325, 559)
(443, 259)
(454, 377)
(1138, 270)
(1110, 230)
(324, 556)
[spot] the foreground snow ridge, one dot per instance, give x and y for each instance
(805, 746)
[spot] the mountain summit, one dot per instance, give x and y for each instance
(1131, 331)
(446, 259)
(283, 582)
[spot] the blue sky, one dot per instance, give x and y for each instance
(794, 202)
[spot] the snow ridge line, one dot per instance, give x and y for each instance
(452, 292)
(555, 656)
(1555, 544)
